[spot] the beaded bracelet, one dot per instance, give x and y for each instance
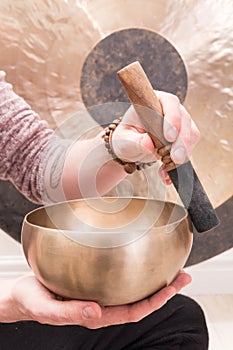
(129, 167)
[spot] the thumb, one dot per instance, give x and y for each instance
(146, 143)
(131, 145)
(147, 148)
(72, 311)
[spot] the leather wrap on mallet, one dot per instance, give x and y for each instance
(141, 94)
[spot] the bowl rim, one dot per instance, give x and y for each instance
(67, 233)
(43, 207)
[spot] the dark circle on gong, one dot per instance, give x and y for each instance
(159, 58)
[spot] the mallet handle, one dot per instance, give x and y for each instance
(184, 177)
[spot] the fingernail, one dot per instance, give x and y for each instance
(179, 155)
(88, 312)
(171, 134)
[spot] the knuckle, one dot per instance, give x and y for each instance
(186, 140)
(167, 95)
(172, 120)
(173, 97)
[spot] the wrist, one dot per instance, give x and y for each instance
(89, 170)
(129, 167)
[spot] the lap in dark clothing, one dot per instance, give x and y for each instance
(179, 324)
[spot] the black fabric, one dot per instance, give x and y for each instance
(178, 325)
(13, 207)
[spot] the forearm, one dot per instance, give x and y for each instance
(89, 170)
(43, 166)
(23, 136)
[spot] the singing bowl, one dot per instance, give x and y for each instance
(113, 251)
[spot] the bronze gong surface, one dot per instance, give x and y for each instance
(44, 49)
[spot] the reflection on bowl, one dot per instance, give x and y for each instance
(110, 250)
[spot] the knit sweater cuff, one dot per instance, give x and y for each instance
(25, 145)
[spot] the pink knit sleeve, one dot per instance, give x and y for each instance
(23, 140)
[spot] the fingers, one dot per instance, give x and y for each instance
(45, 307)
(143, 308)
(187, 138)
(160, 298)
(179, 128)
(171, 111)
(181, 148)
(181, 280)
(137, 311)
(48, 310)
(91, 315)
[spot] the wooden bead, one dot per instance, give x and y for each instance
(112, 126)
(106, 138)
(116, 121)
(130, 168)
(164, 151)
(170, 166)
(107, 145)
(166, 159)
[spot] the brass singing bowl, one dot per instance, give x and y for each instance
(110, 250)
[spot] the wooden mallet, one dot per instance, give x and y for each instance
(141, 94)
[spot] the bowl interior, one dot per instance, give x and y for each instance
(107, 221)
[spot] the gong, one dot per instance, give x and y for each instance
(62, 56)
